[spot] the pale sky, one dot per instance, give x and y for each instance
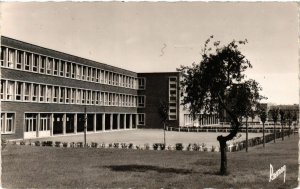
(159, 37)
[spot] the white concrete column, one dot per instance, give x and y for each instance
(111, 121)
(103, 122)
(38, 125)
(136, 121)
(95, 122)
(125, 121)
(130, 121)
(51, 125)
(118, 121)
(64, 123)
(75, 123)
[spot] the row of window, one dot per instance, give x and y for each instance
(27, 61)
(42, 93)
(172, 98)
(44, 120)
(7, 123)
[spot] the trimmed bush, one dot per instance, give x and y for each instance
(65, 144)
(179, 146)
(162, 146)
(116, 145)
(94, 144)
(155, 146)
(37, 143)
(147, 146)
(195, 147)
(189, 147)
(57, 144)
(130, 146)
(124, 145)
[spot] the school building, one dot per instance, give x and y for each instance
(47, 93)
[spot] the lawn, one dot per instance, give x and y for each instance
(143, 136)
(51, 167)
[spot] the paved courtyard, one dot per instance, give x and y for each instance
(143, 136)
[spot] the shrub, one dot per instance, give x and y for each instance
(138, 147)
(179, 146)
(170, 147)
(57, 144)
(94, 144)
(162, 146)
(147, 146)
(116, 145)
(37, 143)
(195, 147)
(189, 147)
(80, 144)
(65, 144)
(130, 146)
(213, 148)
(110, 145)
(49, 143)
(22, 142)
(124, 145)
(155, 146)
(102, 145)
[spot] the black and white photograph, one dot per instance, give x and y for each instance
(149, 95)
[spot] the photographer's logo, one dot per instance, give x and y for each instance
(273, 175)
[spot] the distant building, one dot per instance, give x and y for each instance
(45, 93)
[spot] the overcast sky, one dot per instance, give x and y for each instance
(157, 37)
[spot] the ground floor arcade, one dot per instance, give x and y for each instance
(49, 124)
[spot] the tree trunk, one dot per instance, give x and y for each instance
(246, 134)
(282, 132)
(274, 133)
(289, 130)
(264, 141)
(223, 168)
(165, 134)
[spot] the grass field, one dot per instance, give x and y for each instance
(142, 136)
(50, 167)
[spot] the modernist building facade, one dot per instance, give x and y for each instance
(47, 93)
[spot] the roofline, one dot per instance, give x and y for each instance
(66, 53)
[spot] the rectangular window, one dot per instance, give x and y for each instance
(35, 63)
(55, 94)
(97, 75)
(117, 100)
(43, 64)
(172, 98)
(102, 76)
(78, 72)
(62, 68)
(105, 77)
(62, 95)
(105, 100)
(11, 58)
(73, 72)
(56, 66)
(101, 98)
(49, 65)
(27, 91)
(97, 98)
(3, 56)
(88, 97)
(83, 96)
(7, 123)
(68, 69)
(93, 74)
(49, 93)
(88, 77)
(30, 122)
(10, 90)
(73, 96)
(42, 93)
(20, 59)
(141, 83)
(141, 119)
(141, 101)
(83, 75)
(19, 91)
(44, 122)
(93, 97)
(78, 96)
(68, 95)
(35, 90)
(28, 61)
(3, 86)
